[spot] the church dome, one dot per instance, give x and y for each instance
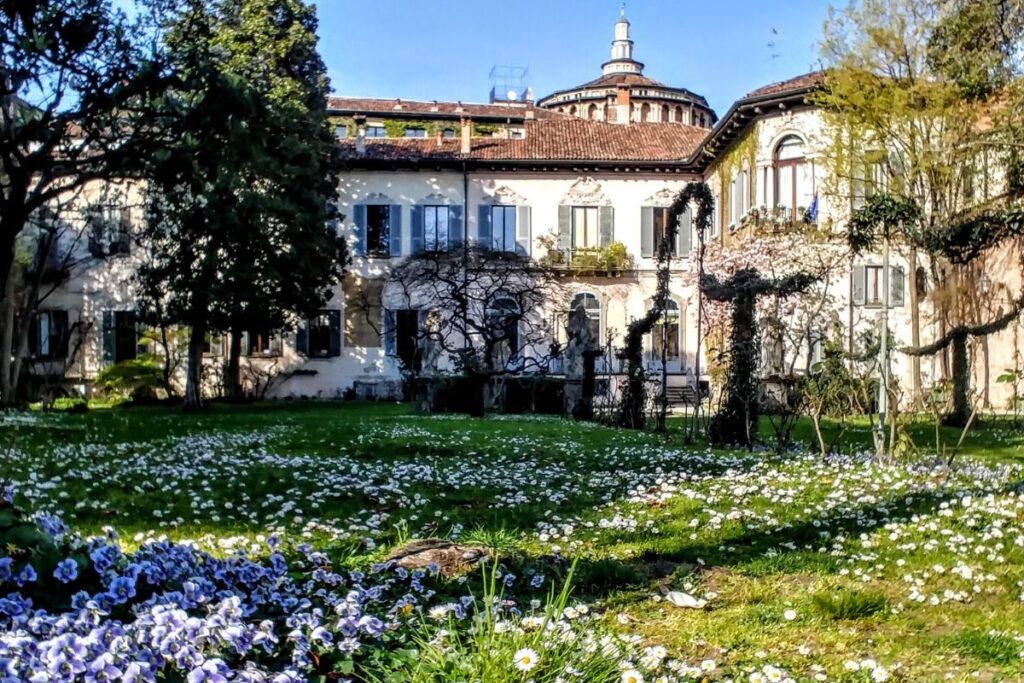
(623, 94)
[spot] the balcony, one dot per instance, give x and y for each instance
(779, 220)
(613, 260)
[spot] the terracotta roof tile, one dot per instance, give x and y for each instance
(808, 80)
(554, 140)
(385, 107)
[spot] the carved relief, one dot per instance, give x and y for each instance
(586, 191)
(506, 195)
(663, 197)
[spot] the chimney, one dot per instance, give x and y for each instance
(360, 122)
(467, 135)
(622, 104)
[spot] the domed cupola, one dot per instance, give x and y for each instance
(623, 94)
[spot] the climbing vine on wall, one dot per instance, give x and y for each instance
(631, 411)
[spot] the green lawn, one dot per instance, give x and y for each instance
(810, 565)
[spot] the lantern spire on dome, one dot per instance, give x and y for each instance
(622, 49)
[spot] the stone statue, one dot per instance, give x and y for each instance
(429, 344)
(578, 365)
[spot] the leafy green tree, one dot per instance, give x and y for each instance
(238, 205)
(73, 74)
(924, 102)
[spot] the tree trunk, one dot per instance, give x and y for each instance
(233, 376)
(915, 330)
(7, 378)
(961, 383)
(194, 369)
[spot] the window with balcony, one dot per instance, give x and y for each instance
(586, 231)
(793, 182)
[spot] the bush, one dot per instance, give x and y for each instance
(69, 404)
(461, 394)
(137, 379)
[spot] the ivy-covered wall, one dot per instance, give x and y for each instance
(396, 128)
(744, 149)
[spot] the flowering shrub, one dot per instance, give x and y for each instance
(79, 609)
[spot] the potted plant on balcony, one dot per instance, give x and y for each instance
(615, 259)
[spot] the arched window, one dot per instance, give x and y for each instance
(666, 334)
(793, 186)
(572, 110)
(605, 115)
(664, 113)
(592, 306)
(503, 317)
(679, 114)
(592, 112)
(645, 112)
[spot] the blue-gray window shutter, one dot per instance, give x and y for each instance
(455, 234)
(483, 226)
(524, 232)
(896, 277)
(395, 230)
(390, 338)
(108, 340)
(564, 228)
(334, 317)
(606, 219)
(684, 235)
(302, 339)
(359, 219)
(859, 285)
(647, 231)
(417, 229)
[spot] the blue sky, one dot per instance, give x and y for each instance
(444, 49)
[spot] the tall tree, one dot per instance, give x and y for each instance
(283, 259)
(239, 204)
(73, 74)
(924, 101)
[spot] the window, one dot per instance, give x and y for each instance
(662, 218)
(321, 338)
(435, 228)
(109, 230)
(120, 337)
(415, 132)
(869, 287)
(517, 134)
(793, 182)
(47, 338)
(503, 320)
(407, 337)
(586, 233)
(378, 229)
(376, 131)
(592, 307)
(448, 133)
(341, 131)
(873, 286)
(665, 334)
(261, 343)
(364, 314)
(503, 228)
(213, 345)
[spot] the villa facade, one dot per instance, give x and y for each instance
(568, 175)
